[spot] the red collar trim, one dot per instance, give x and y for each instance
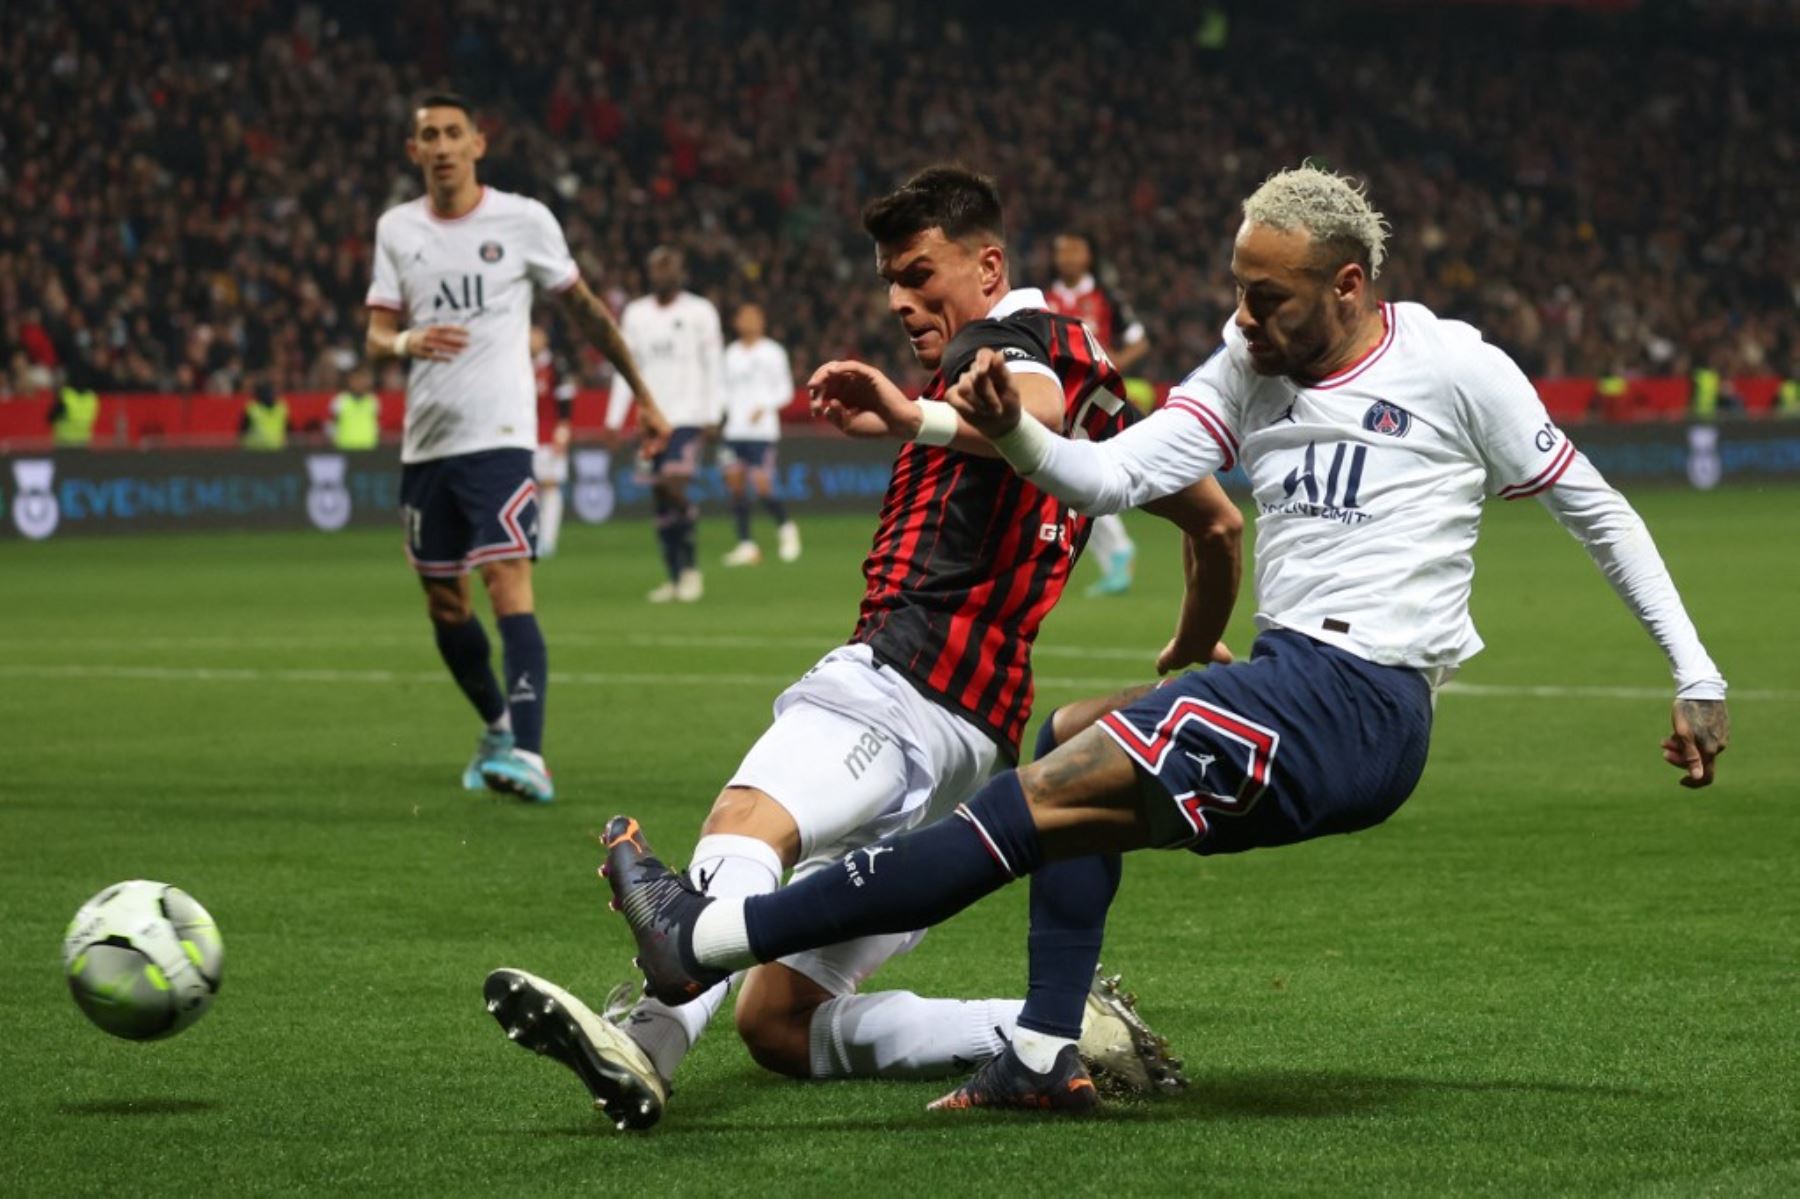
(1338, 378)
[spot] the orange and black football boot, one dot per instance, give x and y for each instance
(661, 906)
(1006, 1082)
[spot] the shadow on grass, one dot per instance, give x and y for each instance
(139, 1107)
(1250, 1095)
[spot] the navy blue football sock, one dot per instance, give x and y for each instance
(690, 537)
(527, 678)
(740, 515)
(910, 881)
(1046, 738)
(668, 536)
(1068, 918)
(776, 507)
(464, 648)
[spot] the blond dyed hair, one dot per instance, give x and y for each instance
(1333, 208)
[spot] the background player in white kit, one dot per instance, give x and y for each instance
(460, 264)
(676, 337)
(1372, 435)
(759, 383)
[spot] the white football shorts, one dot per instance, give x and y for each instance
(855, 753)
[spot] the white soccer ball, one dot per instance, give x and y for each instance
(143, 959)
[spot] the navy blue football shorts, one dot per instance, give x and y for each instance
(469, 509)
(1301, 741)
(751, 455)
(681, 456)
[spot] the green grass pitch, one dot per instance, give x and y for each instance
(1554, 971)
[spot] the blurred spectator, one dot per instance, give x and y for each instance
(192, 189)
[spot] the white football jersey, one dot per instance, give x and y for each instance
(1368, 488)
(678, 347)
(759, 383)
(478, 271)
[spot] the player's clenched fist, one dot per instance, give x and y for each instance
(986, 396)
(434, 343)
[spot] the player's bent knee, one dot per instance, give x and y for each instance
(508, 584)
(748, 812)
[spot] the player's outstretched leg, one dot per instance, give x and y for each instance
(540, 1016)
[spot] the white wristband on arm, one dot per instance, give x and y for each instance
(938, 423)
(400, 342)
(1028, 445)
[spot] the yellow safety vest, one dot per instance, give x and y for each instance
(80, 409)
(1787, 398)
(357, 421)
(268, 426)
(1705, 396)
(1611, 385)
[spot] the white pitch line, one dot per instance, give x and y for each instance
(819, 645)
(605, 678)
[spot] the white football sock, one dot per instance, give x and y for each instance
(667, 1033)
(1037, 1050)
(550, 514)
(730, 868)
(896, 1034)
(721, 939)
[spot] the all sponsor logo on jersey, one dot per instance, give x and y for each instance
(492, 251)
(1391, 419)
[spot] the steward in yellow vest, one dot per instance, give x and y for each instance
(73, 416)
(265, 423)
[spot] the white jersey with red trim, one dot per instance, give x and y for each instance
(478, 271)
(1369, 485)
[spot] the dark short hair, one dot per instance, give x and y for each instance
(444, 100)
(955, 199)
(1083, 236)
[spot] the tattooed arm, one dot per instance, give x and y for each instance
(597, 325)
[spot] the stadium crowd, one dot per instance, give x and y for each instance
(1598, 193)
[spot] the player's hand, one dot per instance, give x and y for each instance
(1702, 728)
(861, 401)
(1178, 656)
(561, 436)
(986, 396)
(436, 343)
(653, 427)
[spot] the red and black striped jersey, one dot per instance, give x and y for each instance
(1099, 309)
(970, 558)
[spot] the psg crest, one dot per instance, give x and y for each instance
(1383, 417)
(492, 251)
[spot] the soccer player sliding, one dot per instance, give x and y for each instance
(1372, 434)
(930, 697)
